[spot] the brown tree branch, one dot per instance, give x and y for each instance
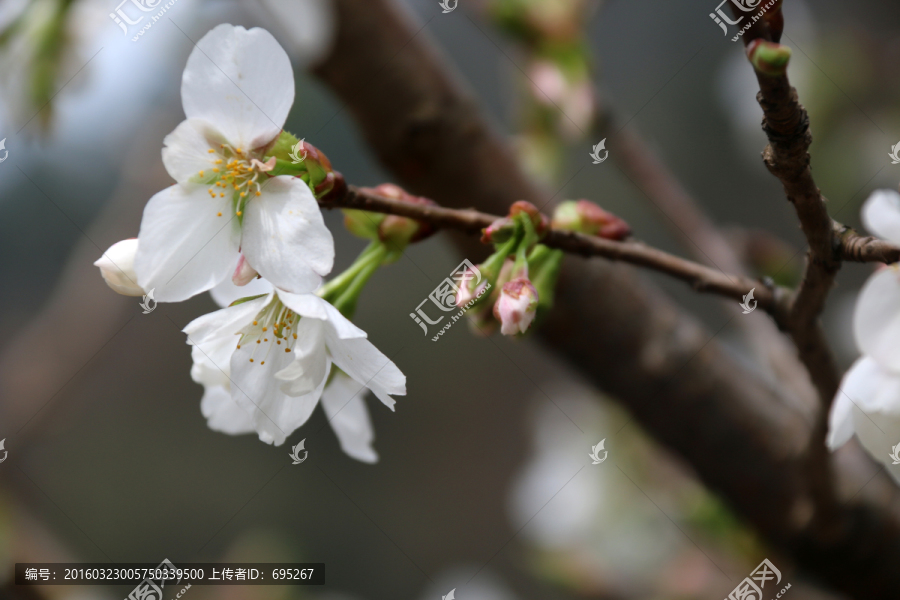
(743, 438)
(858, 248)
(699, 277)
(703, 240)
(786, 125)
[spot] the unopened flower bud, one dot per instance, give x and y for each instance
(244, 273)
(588, 218)
(516, 307)
(395, 231)
(541, 223)
(362, 223)
(769, 58)
(498, 232)
(467, 291)
(388, 190)
(117, 268)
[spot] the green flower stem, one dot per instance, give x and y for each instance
(529, 238)
(491, 267)
(334, 288)
(346, 302)
(546, 264)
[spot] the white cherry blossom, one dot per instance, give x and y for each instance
(237, 90)
(868, 402)
(265, 363)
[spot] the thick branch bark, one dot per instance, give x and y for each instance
(742, 437)
(699, 277)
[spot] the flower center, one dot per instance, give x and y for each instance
(234, 172)
(273, 330)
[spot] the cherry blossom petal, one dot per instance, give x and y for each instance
(285, 238)
(310, 365)
(876, 320)
(872, 397)
(312, 306)
(223, 414)
(840, 421)
(185, 246)
(226, 292)
(214, 339)
(859, 383)
(881, 215)
(344, 404)
(362, 361)
(254, 387)
(241, 81)
(224, 323)
(186, 150)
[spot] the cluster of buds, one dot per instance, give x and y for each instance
(393, 231)
(519, 271)
(586, 217)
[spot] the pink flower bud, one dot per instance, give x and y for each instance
(498, 232)
(396, 231)
(244, 273)
(516, 307)
(541, 223)
(588, 218)
(466, 294)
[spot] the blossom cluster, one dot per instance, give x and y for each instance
(522, 271)
(242, 221)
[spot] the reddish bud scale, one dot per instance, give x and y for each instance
(541, 222)
(498, 232)
(399, 230)
(588, 218)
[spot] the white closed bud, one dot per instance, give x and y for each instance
(117, 267)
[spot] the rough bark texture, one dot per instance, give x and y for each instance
(748, 442)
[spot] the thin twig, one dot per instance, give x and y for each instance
(699, 277)
(858, 248)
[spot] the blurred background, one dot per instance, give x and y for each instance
(484, 482)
